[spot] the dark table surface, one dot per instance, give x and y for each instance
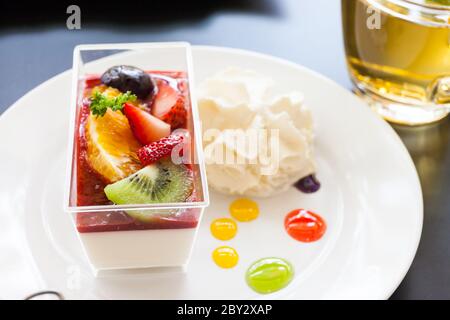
(36, 48)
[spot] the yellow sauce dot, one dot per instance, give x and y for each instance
(224, 228)
(225, 257)
(244, 210)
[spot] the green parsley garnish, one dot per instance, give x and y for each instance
(100, 102)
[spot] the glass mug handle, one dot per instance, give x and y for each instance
(439, 92)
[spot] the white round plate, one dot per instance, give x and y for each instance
(370, 198)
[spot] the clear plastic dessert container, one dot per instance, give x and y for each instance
(150, 236)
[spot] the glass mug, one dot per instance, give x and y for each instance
(398, 57)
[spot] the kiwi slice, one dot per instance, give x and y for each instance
(161, 182)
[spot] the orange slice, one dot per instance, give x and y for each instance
(111, 146)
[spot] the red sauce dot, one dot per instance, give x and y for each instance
(304, 226)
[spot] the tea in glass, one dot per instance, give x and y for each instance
(398, 56)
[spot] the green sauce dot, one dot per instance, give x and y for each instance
(269, 275)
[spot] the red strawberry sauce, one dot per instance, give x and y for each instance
(304, 226)
(90, 185)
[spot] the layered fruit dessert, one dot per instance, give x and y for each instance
(134, 181)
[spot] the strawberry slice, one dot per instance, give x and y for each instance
(158, 149)
(146, 128)
(169, 106)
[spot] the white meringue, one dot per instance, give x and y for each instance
(243, 100)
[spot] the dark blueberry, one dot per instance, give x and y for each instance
(127, 78)
(308, 184)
